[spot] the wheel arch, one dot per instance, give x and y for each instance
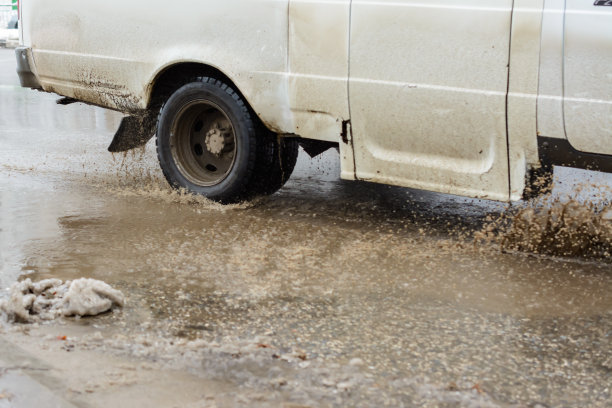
(173, 75)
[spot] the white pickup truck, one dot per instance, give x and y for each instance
(468, 97)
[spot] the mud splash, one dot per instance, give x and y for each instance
(168, 195)
(554, 226)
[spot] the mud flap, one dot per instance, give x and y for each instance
(134, 131)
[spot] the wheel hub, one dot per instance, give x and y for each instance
(218, 138)
(203, 143)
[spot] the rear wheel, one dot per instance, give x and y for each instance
(208, 143)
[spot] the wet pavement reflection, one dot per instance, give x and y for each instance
(385, 280)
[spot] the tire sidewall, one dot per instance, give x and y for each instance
(232, 186)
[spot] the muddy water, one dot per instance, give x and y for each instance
(328, 293)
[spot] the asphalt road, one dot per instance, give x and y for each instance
(328, 293)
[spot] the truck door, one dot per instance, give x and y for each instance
(427, 91)
(587, 75)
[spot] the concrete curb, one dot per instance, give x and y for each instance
(25, 381)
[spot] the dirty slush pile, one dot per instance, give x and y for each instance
(553, 227)
(49, 299)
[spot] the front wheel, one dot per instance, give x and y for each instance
(208, 143)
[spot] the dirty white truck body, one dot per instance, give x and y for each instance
(455, 96)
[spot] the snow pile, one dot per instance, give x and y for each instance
(51, 298)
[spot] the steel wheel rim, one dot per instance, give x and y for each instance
(203, 143)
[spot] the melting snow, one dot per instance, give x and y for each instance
(51, 298)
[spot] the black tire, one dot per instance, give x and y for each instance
(13, 23)
(275, 166)
(209, 143)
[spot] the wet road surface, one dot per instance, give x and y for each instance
(328, 293)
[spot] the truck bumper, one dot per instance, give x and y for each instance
(24, 68)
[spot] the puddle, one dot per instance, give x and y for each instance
(332, 270)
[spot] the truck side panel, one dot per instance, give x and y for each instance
(108, 52)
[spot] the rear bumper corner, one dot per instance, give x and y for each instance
(27, 77)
